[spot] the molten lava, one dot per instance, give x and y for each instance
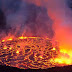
(28, 52)
(32, 52)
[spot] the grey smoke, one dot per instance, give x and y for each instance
(28, 17)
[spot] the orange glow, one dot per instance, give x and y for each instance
(54, 49)
(10, 39)
(33, 37)
(35, 56)
(63, 61)
(22, 37)
(3, 40)
(40, 56)
(25, 58)
(27, 37)
(5, 47)
(17, 52)
(64, 57)
(10, 48)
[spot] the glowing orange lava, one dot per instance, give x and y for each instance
(64, 58)
(34, 52)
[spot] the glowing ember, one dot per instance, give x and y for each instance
(54, 49)
(10, 39)
(22, 37)
(28, 52)
(17, 52)
(5, 47)
(3, 40)
(10, 48)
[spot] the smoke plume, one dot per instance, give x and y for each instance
(27, 18)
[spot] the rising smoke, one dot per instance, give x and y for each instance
(27, 18)
(52, 18)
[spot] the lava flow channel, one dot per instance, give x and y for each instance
(28, 52)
